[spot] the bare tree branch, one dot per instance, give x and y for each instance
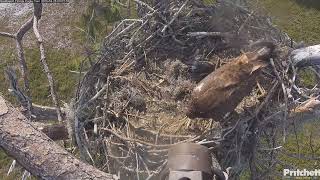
(24, 29)
(23, 65)
(5, 34)
(36, 18)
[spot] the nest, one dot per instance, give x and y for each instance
(135, 95)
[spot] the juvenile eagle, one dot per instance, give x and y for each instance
(221, 91)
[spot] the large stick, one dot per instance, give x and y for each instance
(37, 153)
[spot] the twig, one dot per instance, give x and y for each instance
(145, 165)
(267, 99)
(98, 94)
(204, 34)
(137, 167)
(158, 170)
(25, 175)
(245, 22)
(119, 25)
(174, 16)
(270, 149)
(285, 99)
(12, 166)
(5, 34)
(144, 4)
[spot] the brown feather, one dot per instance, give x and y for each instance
(222, 90)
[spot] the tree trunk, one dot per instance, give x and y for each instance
(37, 153)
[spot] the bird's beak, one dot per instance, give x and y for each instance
(264, 53)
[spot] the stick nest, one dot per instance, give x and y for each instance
(135, 94)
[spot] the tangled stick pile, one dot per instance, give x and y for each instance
(135, 95)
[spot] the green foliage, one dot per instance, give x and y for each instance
(60, 63)
(208, 2)
(307, 78)
(306, 145)
(5, 162)
(245, 175)
(315, 4)
(7, 58)
(297, 19)
(97, 17)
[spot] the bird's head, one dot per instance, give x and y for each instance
(263, 49)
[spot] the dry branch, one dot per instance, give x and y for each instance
(23, 65)
(5, 34)
(43, 113)
(204, 34)
(24, 29)
(36, 152)
(38, 112)
(36, 18)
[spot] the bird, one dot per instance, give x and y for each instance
(222, 90)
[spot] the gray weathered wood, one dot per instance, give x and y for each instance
(37, 153)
